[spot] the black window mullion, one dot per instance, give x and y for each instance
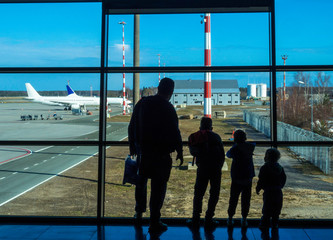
(273, 75)
(102, 118)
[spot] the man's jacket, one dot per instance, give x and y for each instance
(153, 129)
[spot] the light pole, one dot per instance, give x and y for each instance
(284, 57)
(159, 64)
(164, 72)
(124, 86)
(136, 53)
(301, 82)
(311, 110)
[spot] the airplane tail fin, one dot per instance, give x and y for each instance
(70, 91)
(32, 93)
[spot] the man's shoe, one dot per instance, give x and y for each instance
(138, 218)
(210, 223)
(193, 223)
(157, 227)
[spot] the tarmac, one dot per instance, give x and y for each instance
(23, 168)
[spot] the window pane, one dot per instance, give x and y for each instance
(307, 193)
(307, 99)
(178, 39)
(119, 198)
(230, 111)
(49, 113)
(117, 123)
(48, 180)
(50, 35)
(304, 32)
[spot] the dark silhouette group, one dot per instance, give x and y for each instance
(154, 134)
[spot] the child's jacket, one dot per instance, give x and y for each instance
(271, 176)
(242, 169)
(207, 147)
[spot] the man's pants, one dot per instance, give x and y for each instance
(158, 191)
(203, 177)
(235, 191)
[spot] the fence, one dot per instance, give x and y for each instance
(320, 156)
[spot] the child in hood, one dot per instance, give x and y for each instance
(207, 148)
(272, 179)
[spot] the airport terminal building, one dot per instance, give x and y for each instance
(191, 92)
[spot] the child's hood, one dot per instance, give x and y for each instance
(274, 168)
(246, 148)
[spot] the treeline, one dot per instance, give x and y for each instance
(60, 93)
(13, 94)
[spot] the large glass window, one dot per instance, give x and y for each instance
(54, 162)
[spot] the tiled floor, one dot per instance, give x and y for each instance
(61, 232)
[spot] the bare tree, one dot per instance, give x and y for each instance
(322, 83)
(148, 91)
(297, 108)
(303, 80)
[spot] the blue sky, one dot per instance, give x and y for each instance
(68, 35)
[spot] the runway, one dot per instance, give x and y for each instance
(23, 168)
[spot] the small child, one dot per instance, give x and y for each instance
(272, 179)
(207, 147)
(242, 172)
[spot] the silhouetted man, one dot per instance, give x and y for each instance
(153, 134)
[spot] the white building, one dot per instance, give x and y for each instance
(257, 90)
(251, 90)
(191, 92)
(262, 90)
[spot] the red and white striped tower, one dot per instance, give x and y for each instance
(124, 86)
(159, 64)
(207, 86)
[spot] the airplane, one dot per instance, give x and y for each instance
(110, 100)
(68, 102)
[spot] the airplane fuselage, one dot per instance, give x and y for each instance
(67, 101)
